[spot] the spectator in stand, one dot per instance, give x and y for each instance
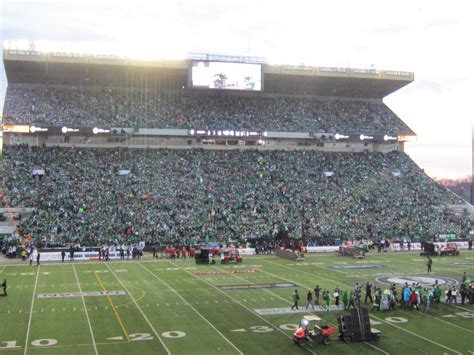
(167, 195)
(163, 109)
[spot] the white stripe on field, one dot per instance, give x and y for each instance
(194, 309)
(141, 311)
(241, 304)
(376, 347)
(85, 308)
(417, 335)
(31, 309)
(389, 323)
(282, 278)
(451, 324)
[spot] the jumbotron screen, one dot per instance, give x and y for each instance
(226, 76)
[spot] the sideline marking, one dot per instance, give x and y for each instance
(380, 319)
(287, 310)
(451, 324)
(287, 301)
(376, 347)
(31, 309)
(417, 335)
(85, 308)
(192, 307)
(81, 294)
(138, 299)
(113, 309)
(141, 311)
(242, 305)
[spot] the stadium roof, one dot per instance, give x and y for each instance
(32, 67)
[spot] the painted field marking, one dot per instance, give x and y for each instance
(192, 307)
(393, 325)
(417, 335)
(141, 311)
(87, 314)
(242, 305)
(31, 309)
(445, 267)
(289, 302)
(117, 316)
(460, 307)
(451, 324)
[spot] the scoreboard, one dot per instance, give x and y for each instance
(225, 76)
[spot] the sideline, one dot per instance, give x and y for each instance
(192, 307)
(140, 309)
(85, 309)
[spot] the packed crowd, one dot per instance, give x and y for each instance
(115, 108)
(111, 196)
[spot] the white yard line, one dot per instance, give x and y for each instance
(417, 335)
(451, 324)
(194, 309)
(85, 308)
(460, 307)
(31, 309)
(141, 311)
(380, 319)
(442, 320)
(376, 347)
(240, 304)
(4, 267)
(287, 301)
(422, 265)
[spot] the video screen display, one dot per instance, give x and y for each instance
(226, 76)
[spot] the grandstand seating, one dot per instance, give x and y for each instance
(110, 195)
(194, 109)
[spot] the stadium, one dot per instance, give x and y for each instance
(114, 168)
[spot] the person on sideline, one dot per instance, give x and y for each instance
(296, 298)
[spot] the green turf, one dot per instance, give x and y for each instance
(166, 308)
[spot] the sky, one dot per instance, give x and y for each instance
(431, 38)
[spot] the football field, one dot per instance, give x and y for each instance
(177, 307)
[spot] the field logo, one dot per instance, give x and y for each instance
(422, 280)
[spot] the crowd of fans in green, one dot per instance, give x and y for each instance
(107, 196)
(191, 109)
